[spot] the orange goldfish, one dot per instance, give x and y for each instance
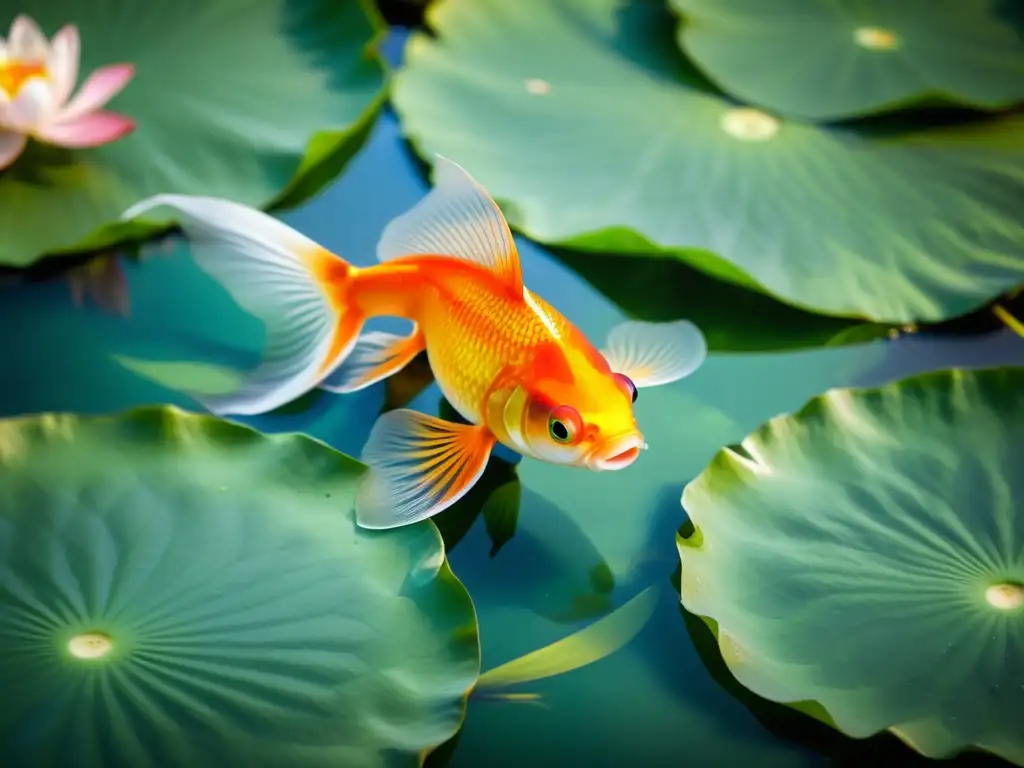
(509, 363)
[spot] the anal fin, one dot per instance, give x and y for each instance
(419, 466)
(375, 356)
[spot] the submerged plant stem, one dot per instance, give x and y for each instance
(593, 643)
(1009, 320)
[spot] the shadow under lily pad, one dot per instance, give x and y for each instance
(731, 318)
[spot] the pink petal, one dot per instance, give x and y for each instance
(32, 105)
(62, 63)
(11, 145)
(26, 42)
(100, 87)
(90, 130)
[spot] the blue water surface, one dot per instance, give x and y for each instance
(585, 542)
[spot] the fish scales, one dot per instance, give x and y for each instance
(472, 333)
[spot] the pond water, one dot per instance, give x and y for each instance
(585, 542)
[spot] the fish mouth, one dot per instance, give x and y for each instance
(618, 454)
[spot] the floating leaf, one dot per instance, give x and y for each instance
(584, 121)
(181, 590)
(867, 554)
(259, 101)
(731, 318)
(823, 60)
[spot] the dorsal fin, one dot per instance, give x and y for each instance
(456, 218)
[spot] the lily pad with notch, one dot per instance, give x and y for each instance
(863, 560)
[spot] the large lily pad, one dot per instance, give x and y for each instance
(259, 101)
(583, 119)
(731, 318)
(866, 555)
(823, 60)
(177, 590)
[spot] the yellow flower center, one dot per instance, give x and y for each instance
(14, 74)
(876, 39)
(91, 645)
(748, 124)
(1006, 596)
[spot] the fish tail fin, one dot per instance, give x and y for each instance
(297, 288)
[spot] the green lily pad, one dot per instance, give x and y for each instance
(822, 60)
(178, 590)
(259, 101)
(866, 554)
(584, 121)
(731, 318)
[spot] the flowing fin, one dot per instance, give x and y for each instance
(375, 356)
(456, 218)
(419, 465)
(283, 278)
(655, 353)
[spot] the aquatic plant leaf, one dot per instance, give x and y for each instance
(179, 590)
(257, 101)
(592, 643)
(867, 554)
(821, 60)
(501, 514)
(192, 378)
(732, 319)
(184, 375)
(889, 223)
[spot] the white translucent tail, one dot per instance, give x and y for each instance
(283, 278)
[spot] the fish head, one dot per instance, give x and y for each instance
(588, 423)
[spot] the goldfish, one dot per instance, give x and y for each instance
(511, 365)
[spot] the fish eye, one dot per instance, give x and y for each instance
(564, 424)
(627, 386)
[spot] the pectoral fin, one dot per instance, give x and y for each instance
(419, 465)
(651, 354)
(375, 356)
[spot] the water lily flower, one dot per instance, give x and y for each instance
(37, 78)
